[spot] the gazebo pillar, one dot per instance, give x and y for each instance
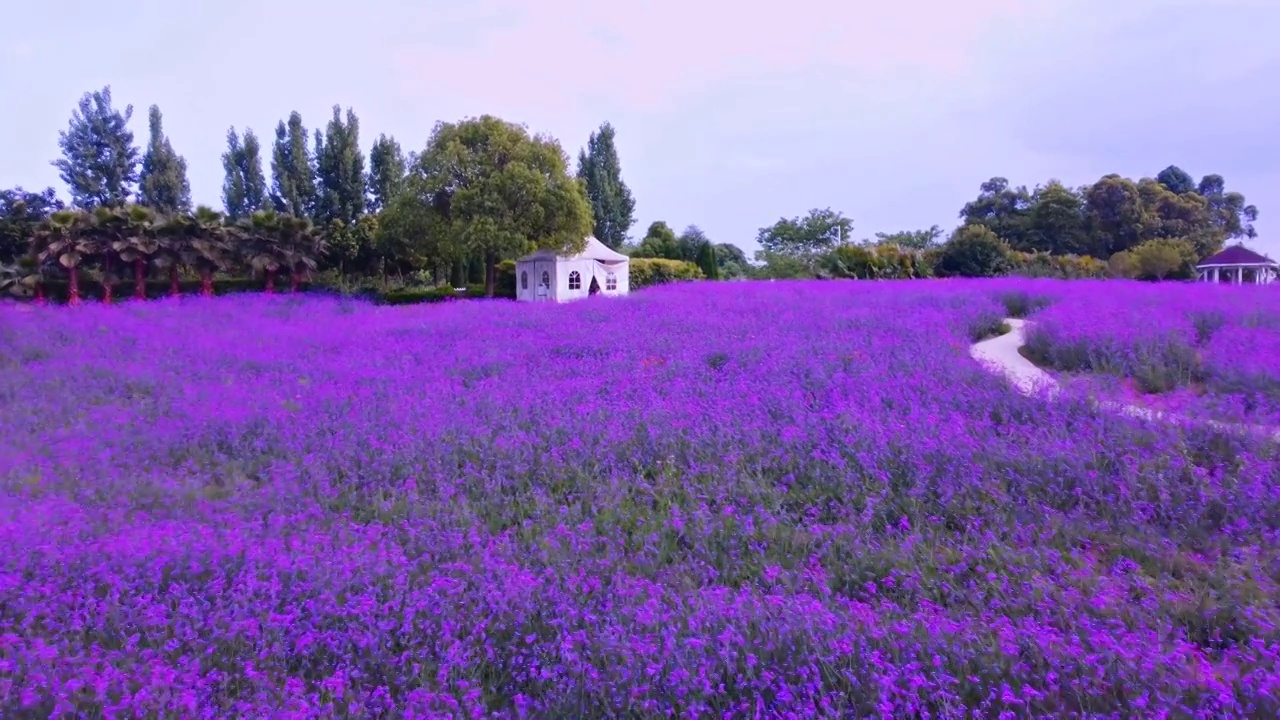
(1215, 275)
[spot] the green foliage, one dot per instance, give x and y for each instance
(99, 161)
(1176, 180)
(1006, 211)
(731, 261)
(911, 239)
(612, 207)
(646, 272)
(973, 251)
(659, 241)
(293, 184)
(805, 237)
(1020, 304)
(1123, 265)
(485, 188)
(21, 212)
(163, 183)
(1055, 222)
(1063, 267)
(1165, 258)
(244, 185)
(707, 261)
(387, 170)
(872, 262)
(340, 179)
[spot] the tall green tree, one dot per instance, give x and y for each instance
(707, 261)
(1055, 222)
(340, 186)
(387, 169)
(99, 161)
(163, 183)
(1115, 215)
(732, 261)
(233, 185)
(487, 186)
(612, 206)
(692, 243)
(244, 187)
(293, 179)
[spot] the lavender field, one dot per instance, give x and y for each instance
(758, 500)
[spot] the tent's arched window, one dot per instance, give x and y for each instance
(546, 278)
(611, 281)
(575, 280)
(524, 279)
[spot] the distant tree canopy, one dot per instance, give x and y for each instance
(1115, 214)
(484, 191)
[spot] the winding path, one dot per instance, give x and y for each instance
(1000, 355)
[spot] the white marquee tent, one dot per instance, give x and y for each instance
(545, 276)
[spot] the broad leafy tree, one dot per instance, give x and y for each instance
(488, 186)
(805, 238)
(99, 160)
(163, 184)
(612, 206)
(1004, 209)
(659, 241)
(1055, 223)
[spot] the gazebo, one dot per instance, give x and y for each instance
(1238, 265)
(547, 276)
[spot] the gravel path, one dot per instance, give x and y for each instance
(1000, 355)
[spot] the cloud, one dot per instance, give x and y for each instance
(646, 56)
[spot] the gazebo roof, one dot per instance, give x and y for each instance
(1236, 255)
(594, 250)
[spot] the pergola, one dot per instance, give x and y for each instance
(1238, 265)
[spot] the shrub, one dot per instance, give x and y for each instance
(1020, 303)
(883, 262)
(412, 296)
(973, 251)
(646, 272)
(1165, 258)
(1123, 265)
(1062, 267)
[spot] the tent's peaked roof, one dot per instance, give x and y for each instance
(595, 250)
(1237, 255)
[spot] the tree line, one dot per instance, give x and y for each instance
(483, 191)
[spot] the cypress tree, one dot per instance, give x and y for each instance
(340, 170)
(387, 170)
(233, 190)
(612, 206)
(293, 182)
(163, 184)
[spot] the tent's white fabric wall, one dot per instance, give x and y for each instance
(547, 277)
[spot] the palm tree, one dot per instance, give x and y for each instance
(260, 245)
(299, 248)
(138, 244)
(63, 239)
(107, 227)
(210, 249)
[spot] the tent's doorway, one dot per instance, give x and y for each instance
(595, 287)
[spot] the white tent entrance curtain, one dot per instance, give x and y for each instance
(607, 273)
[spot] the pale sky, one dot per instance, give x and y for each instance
(729, 114)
